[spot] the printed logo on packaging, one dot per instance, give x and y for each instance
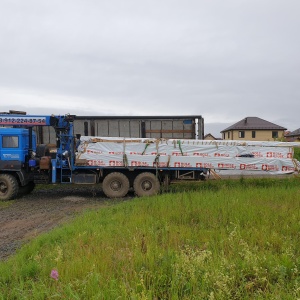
(248, 167)
(288, 169)
(96, 163)
(182, 165)
(270, 168)
(139, 164)
(226, 166)
(115, 163)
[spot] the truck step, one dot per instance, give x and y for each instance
(40, 178)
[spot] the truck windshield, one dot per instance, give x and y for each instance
(10, 141)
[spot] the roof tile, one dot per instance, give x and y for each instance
(254, 123)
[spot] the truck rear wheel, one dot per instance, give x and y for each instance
(115, 185)
(8, 187)
(146, 184)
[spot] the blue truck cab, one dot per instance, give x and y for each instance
(14, 144)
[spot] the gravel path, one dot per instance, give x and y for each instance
(26, 217)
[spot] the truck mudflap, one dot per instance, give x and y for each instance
(24, 177)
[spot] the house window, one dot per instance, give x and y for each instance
(228, 135)
(253, 134)
(274, 134)
(241, 134)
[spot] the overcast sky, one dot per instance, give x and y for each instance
(221, 59)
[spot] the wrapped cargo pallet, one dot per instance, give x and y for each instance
(187, 154)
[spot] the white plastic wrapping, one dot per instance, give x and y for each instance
(152, 153)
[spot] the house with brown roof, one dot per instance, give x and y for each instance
(209, 137)
(253, 129)
(293, 136)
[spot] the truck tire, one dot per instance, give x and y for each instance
(26, 189)
(115, 185)
(9, 187)
(146, 184)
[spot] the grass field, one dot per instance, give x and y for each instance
(210, 240)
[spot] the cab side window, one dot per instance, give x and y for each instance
(10, 141)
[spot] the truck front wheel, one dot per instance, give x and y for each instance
(8, 187)
(115, 185)
(146, 184)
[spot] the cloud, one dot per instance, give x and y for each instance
(224, 60)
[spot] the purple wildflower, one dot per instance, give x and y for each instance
(54, 274)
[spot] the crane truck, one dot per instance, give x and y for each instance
(23, 163)
(120, 164)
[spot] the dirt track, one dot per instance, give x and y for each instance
(40, 211)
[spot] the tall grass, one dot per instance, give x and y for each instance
(297, 152)
(214, 240)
